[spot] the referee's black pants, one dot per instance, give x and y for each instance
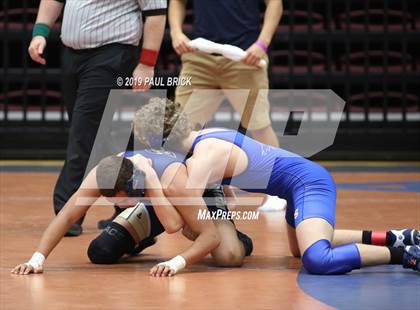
(88, 75)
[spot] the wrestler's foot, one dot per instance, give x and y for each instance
(74, 231)
(104, 223)
(403, 237)
(145, 243)
(411, 258)
(246, 241)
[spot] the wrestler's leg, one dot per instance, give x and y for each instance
(231, 251)
(344, 236)
(370, 255)
(314, 237)
(293, 244)
(120, 237)
(394, 238)
(110, 245)
(311, 209)
(233, 247)
(312, 212)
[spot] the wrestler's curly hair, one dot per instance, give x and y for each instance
(149, 119)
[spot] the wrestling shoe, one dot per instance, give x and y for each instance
(247, 242)
(104, 223)
(403, 237)
(145, 243)
(411, 257)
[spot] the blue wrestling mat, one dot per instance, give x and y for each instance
(381, 287)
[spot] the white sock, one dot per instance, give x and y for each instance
(273, 204)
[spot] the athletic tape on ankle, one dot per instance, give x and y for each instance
(379, 237)
(37, 260)
(139, 219)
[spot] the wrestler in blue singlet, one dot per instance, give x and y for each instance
(307, 187)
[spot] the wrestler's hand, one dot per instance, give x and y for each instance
(180, 43)
(168, 268)
(36, 49)
(143, 77)
(161, 270)
(26, 268)
(254, 54)
(143, 163)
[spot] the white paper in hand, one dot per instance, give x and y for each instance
(233, 52)
(205, 46)
(229, 51)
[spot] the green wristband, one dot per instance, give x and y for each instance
(41, 30)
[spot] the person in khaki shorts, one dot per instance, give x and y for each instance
(234, 22)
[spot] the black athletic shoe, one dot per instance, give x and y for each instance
(411, 258)
(247, 242)
(145, 243)
(74, 231)
(104, 223)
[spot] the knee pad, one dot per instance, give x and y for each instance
(321, 259)
(139, 218)
(110, 245)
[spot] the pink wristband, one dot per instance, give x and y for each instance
(262, 45)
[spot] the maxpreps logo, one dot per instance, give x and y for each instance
(206, 215)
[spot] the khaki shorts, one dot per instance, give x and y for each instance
(216, 72)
